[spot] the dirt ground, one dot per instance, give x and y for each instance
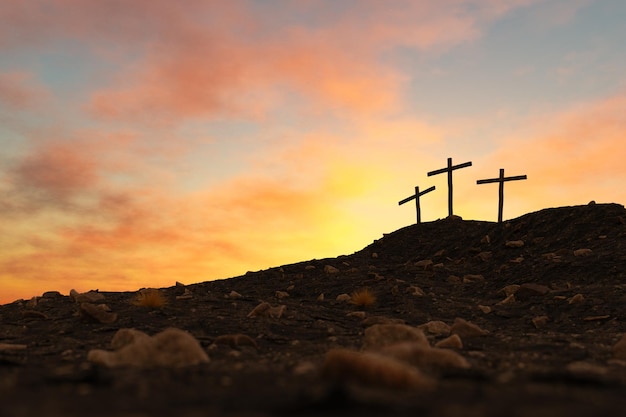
(548, 350)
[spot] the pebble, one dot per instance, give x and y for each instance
(583, 252)
(465, 329)
(540, 321)
(97, 313)
(329, 269)
(510, 289)
(425, 357)
(415, 290)
(450, 342)
(514, 243)
(576, 299)
(282, 294)
(373, 369)
(484, 309)
(387, 334)
(469, 278)
(426, 263)
(343, 298)
(510, 299)
(435, 327)
(530, 289)
(233, 294)
(170, 348)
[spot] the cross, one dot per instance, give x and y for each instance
(501, 179)
(417, 196)
(449, 170)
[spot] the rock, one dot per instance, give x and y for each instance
(619, 349)
(576, 299)
(540, 321)
(97, 313)
(372, 369)
(425, 357)
(510, 299)
(265, 309)
(465, 329)
(514, 243)
(485, 239)
(484, 256)
(435, 327)
(586, 369)
(358, 314)
(12, 346)
(51, 294)
(374, 255)
(236, 340)
(179, 284)
(583, 252)
(170, 348)
(450, 342)
(529, 290)
(510, 289)
(388, 334)
(484, 309)
(414, 290)
(186, 295)
(453, 279)
(86, 297)
(320, 297)
(34, 314)
(281, 294)
(426, 263)
(343, 298)
(309, 267)
(329, 269)
(469, 278)
(233, 294)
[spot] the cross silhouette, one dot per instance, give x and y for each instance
(417, 196)
(501, 179)
(449, 170)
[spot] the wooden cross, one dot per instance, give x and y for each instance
(417, 196)
(449, 170)
(501, 179)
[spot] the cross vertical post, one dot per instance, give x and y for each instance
(449, 170)
(501, 180)
(417, 196)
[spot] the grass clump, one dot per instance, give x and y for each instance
(363, 297)
(150, 297)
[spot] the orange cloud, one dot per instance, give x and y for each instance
(18, 91)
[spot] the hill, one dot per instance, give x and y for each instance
(544, 295)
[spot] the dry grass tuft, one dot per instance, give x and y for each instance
(150, 297)
(363, 297)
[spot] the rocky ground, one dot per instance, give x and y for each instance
(544, 296)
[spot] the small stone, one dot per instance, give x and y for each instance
(510, 289)
(510, 299)
(451, 342)
(517, 260)
(97, 313)
(485, 239)
(309, 267)
(329, 269)
(265, 309)
(281, 294)
(51, 294)
(320, 297)
(484, 309)
(465, 329)
(343, 297)
(304, 368)
(414, 290)
(583, 252)
(435, 327)
(514, 243)
(425, 264)
(576, 299)
(425, 357)
(540, 321)
(170, 348)
(373, 369)
(374, 255)
(179, 284)
(453, 279)
(530, 289)
(86, 297)
(470, 278)
(388, 334)
(233, 294)
(484, 256)
(12, 346)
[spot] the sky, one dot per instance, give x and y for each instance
(146, 142)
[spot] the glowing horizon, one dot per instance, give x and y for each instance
(154, 142)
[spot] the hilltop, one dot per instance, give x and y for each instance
(547, 289)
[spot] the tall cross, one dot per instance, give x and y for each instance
(501, 179)
(417, 196)
(449, 170)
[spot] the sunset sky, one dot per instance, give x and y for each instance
(146, 142)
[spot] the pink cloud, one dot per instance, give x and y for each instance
(18, 91)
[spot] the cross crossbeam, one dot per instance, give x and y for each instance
(449, 170)
(416, 197)
(501, 180)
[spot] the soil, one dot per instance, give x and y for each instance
(559, 364)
